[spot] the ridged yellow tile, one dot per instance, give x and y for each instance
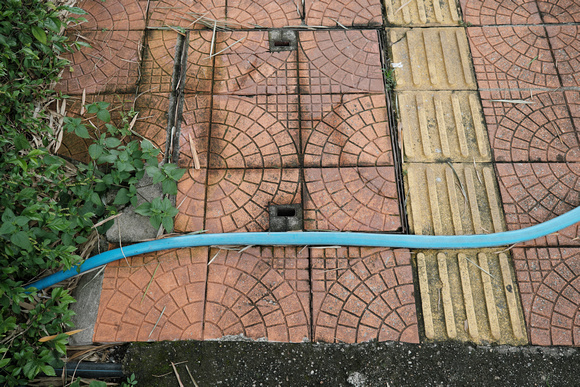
(470, 295)
(452, 199)
(431, 59)
(422, 12)
(442, 125)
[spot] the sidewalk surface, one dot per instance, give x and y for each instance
(478, 135)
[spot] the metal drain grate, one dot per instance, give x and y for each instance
(282, 40)
(287, 217)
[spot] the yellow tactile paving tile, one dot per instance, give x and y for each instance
(431, 59)
(470, 295)
(422, 12)
(442, 125)
(452, 199)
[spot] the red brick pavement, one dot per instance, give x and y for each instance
(247, 66)
(184, 13)
(362, 294)
(549, 282)
(263, 14)
(254, 132)
(362, 13)
(113, 14)
(559, 11)
(511, 57)
(565, 45)
(345, 130)
(535, 192)
(260, 293)
(110, 65)
(238, 199)
(491, 12)
(540, 130)
(340, 62)
(351, 199)
(132, 303)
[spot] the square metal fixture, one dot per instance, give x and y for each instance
(286, 217)
(282, 40)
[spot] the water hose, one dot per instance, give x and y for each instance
(320, 239)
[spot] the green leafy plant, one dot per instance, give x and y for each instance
(50, 207)
(389, 76)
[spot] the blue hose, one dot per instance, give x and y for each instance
(321, 239)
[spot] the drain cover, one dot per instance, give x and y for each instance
(282, 40)
(286, 217)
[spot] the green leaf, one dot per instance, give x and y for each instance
(176, 174)
(39, 34)
(21, 240)
(8, 215)
(97, 383)
(82, 131)
(104, 115)
(48, 370)
(144, 209)
(122, 197)
(112, 142)
(95, 151)
(7, 228)
(21, 220)
(155, 221)
(20, 142)
(4, 362)
(169, 187)
(168, 223)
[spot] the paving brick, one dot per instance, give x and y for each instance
(344, 13)
(339, 62)
(552, 297)
(539, 130)
(185, 13)
(254, 132)
(351, 199)
(152, 123)
(263, 14)
(245, 65)
(110, 65)
(191, 201)
(112, 15)
(345, 130)
(512, 57)
(159, 58)
(122, 318)
(347, 310)
(490, 12)
(565, 46)
(559, 11)
(195, 124)
(237, 199)
(536, 192)
(257, 305)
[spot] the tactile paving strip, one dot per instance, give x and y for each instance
(470, 295)
(453, 199)
(422, 12)
(431, 59)
(438, 126)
